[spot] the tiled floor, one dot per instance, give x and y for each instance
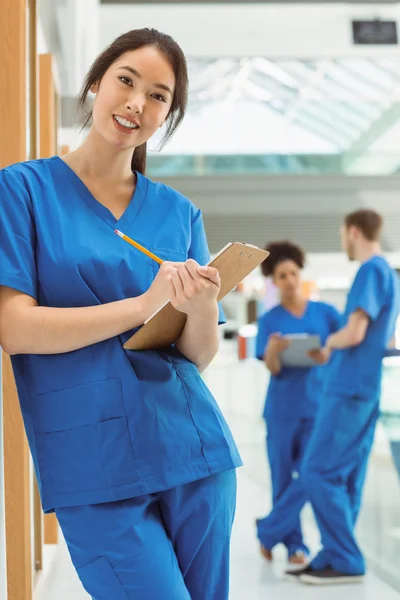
(252, 578)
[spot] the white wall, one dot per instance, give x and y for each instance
(79, 28)
(288, 194)
(306, 209)
(294, 30)
(69, 30)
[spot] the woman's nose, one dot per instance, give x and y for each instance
(136, 104)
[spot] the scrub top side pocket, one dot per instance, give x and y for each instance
(82, 438)
(215, 435)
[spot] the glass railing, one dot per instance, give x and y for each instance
(159, 165)
(379, 526)
(240, 389)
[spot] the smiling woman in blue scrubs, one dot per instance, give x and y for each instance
(293, 393)
(130, 448)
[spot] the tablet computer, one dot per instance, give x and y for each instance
(297, 353)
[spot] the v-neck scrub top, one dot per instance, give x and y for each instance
(295, 393)
(104, 423)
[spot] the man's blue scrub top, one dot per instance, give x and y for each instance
(357, 371)
(105, 423)
(295, 392)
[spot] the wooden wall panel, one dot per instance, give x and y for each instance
(13, 92)
(13, 148)
(48, 112)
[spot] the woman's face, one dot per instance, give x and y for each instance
(137, 90)
(287, 278)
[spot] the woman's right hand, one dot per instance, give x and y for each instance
(277, 343)
(160, 290)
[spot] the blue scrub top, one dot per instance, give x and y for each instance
(357, 371)
(104, 423)
(294, 393)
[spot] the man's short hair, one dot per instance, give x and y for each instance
(367, 221)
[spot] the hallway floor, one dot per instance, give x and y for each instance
(252, 578)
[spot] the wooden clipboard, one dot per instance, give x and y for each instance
(163, 328)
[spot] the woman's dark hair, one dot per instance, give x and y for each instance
(280, 251)
(133, 40)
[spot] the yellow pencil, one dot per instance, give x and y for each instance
(139, 247)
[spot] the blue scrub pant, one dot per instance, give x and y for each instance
(332, 477)
(286, 445)
(173, 545)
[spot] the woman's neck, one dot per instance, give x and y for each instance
(97, 159)
(294, 304)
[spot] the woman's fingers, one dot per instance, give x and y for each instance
(210, 273)
(206, 272)
(177, 284)
(191, 281)
(196, 271)
(188, 283)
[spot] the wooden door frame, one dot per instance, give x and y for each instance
(13, 148)
(48, 147)
(33, 153)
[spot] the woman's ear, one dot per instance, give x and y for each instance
(95, 88)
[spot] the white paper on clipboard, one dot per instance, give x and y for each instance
(297, 353)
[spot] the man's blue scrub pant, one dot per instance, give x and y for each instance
(332, 478)
(173, 545)
(286, 445)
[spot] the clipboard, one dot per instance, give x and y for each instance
(297, 353)
(234, 262)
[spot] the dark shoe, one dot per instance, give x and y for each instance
(295, 574)
(329, 577)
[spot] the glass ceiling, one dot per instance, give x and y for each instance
(256, 105)
(338, 100)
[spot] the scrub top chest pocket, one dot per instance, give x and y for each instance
(170, 255)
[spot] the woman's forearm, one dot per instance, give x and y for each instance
(272, 362)
(199, 341)
(30, 329)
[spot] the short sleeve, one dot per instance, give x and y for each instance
(17, 236)
(199, 251)
(263, 333)
(366, 292)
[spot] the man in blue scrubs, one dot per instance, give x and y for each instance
(335, 464)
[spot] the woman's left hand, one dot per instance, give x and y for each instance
(321, 356)
(194, 289)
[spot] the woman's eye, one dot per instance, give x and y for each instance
(159, 97)
(126, 80)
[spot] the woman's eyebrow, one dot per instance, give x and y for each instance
(161, 86)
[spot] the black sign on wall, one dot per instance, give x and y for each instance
(375, 32)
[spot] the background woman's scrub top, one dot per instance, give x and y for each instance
(294, 393)
(104, 423)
